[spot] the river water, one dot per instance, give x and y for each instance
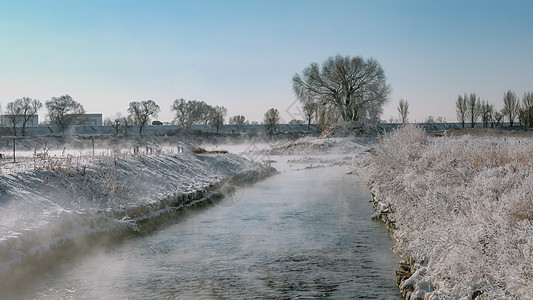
(303, 233)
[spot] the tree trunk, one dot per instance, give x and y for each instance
(24, 127)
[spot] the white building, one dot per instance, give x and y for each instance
(7, 121)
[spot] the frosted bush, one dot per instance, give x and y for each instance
(50, 202)
(463, 208)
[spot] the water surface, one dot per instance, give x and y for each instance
(299, 234)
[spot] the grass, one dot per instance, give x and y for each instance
(462, 207)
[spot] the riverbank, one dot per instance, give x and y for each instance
(50, 203)
(460, 210)
(303, 233)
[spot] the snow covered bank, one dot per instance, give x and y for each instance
(320, 146)
(307, 152)
(460, 210)
(51, 203)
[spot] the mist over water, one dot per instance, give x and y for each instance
(299, 234)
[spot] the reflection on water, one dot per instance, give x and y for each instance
(299, 234)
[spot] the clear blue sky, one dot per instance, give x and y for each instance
(243, 54)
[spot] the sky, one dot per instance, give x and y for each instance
(243, 54)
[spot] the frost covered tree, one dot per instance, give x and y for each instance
(63, 111)
(117, 121)
(201, 112)
(271, 121)
(325, 114)
(403, 110)
(216, 116)
(354, 86)
(141, 111)
(21, 111)
(125, 123)
(112, 122)
(187, 113)
(181, 112)
(296, 121)
(461, 109)
(473, 111)
(237, 120)
(511, 106)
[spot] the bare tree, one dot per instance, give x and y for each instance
(271, 121)
(325, 114)
(461, 109)
(309, 110)
(217, 115)
(22, 110)
(473, 111)
(403, 110)
(30, 107)
(125, 123)
(527, 104)
(107, 121)
(13, 113)
(511, 106)
(498, 118)
(140, 112)
(487, 111)
(116, 122)
(356, 87)
(63, 111)
(522, 117)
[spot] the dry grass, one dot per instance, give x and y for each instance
(485, 132)
(200, 150)
(459, 202)
(494, 157)
(523, 211)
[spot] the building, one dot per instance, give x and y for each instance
(7, 121)
(88, 120)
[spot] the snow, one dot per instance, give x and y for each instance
(54, 197)
(462, 208)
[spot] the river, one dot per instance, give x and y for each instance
(304, 233)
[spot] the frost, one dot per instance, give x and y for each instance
(49, 201)
(414, 278)
(460, 206)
